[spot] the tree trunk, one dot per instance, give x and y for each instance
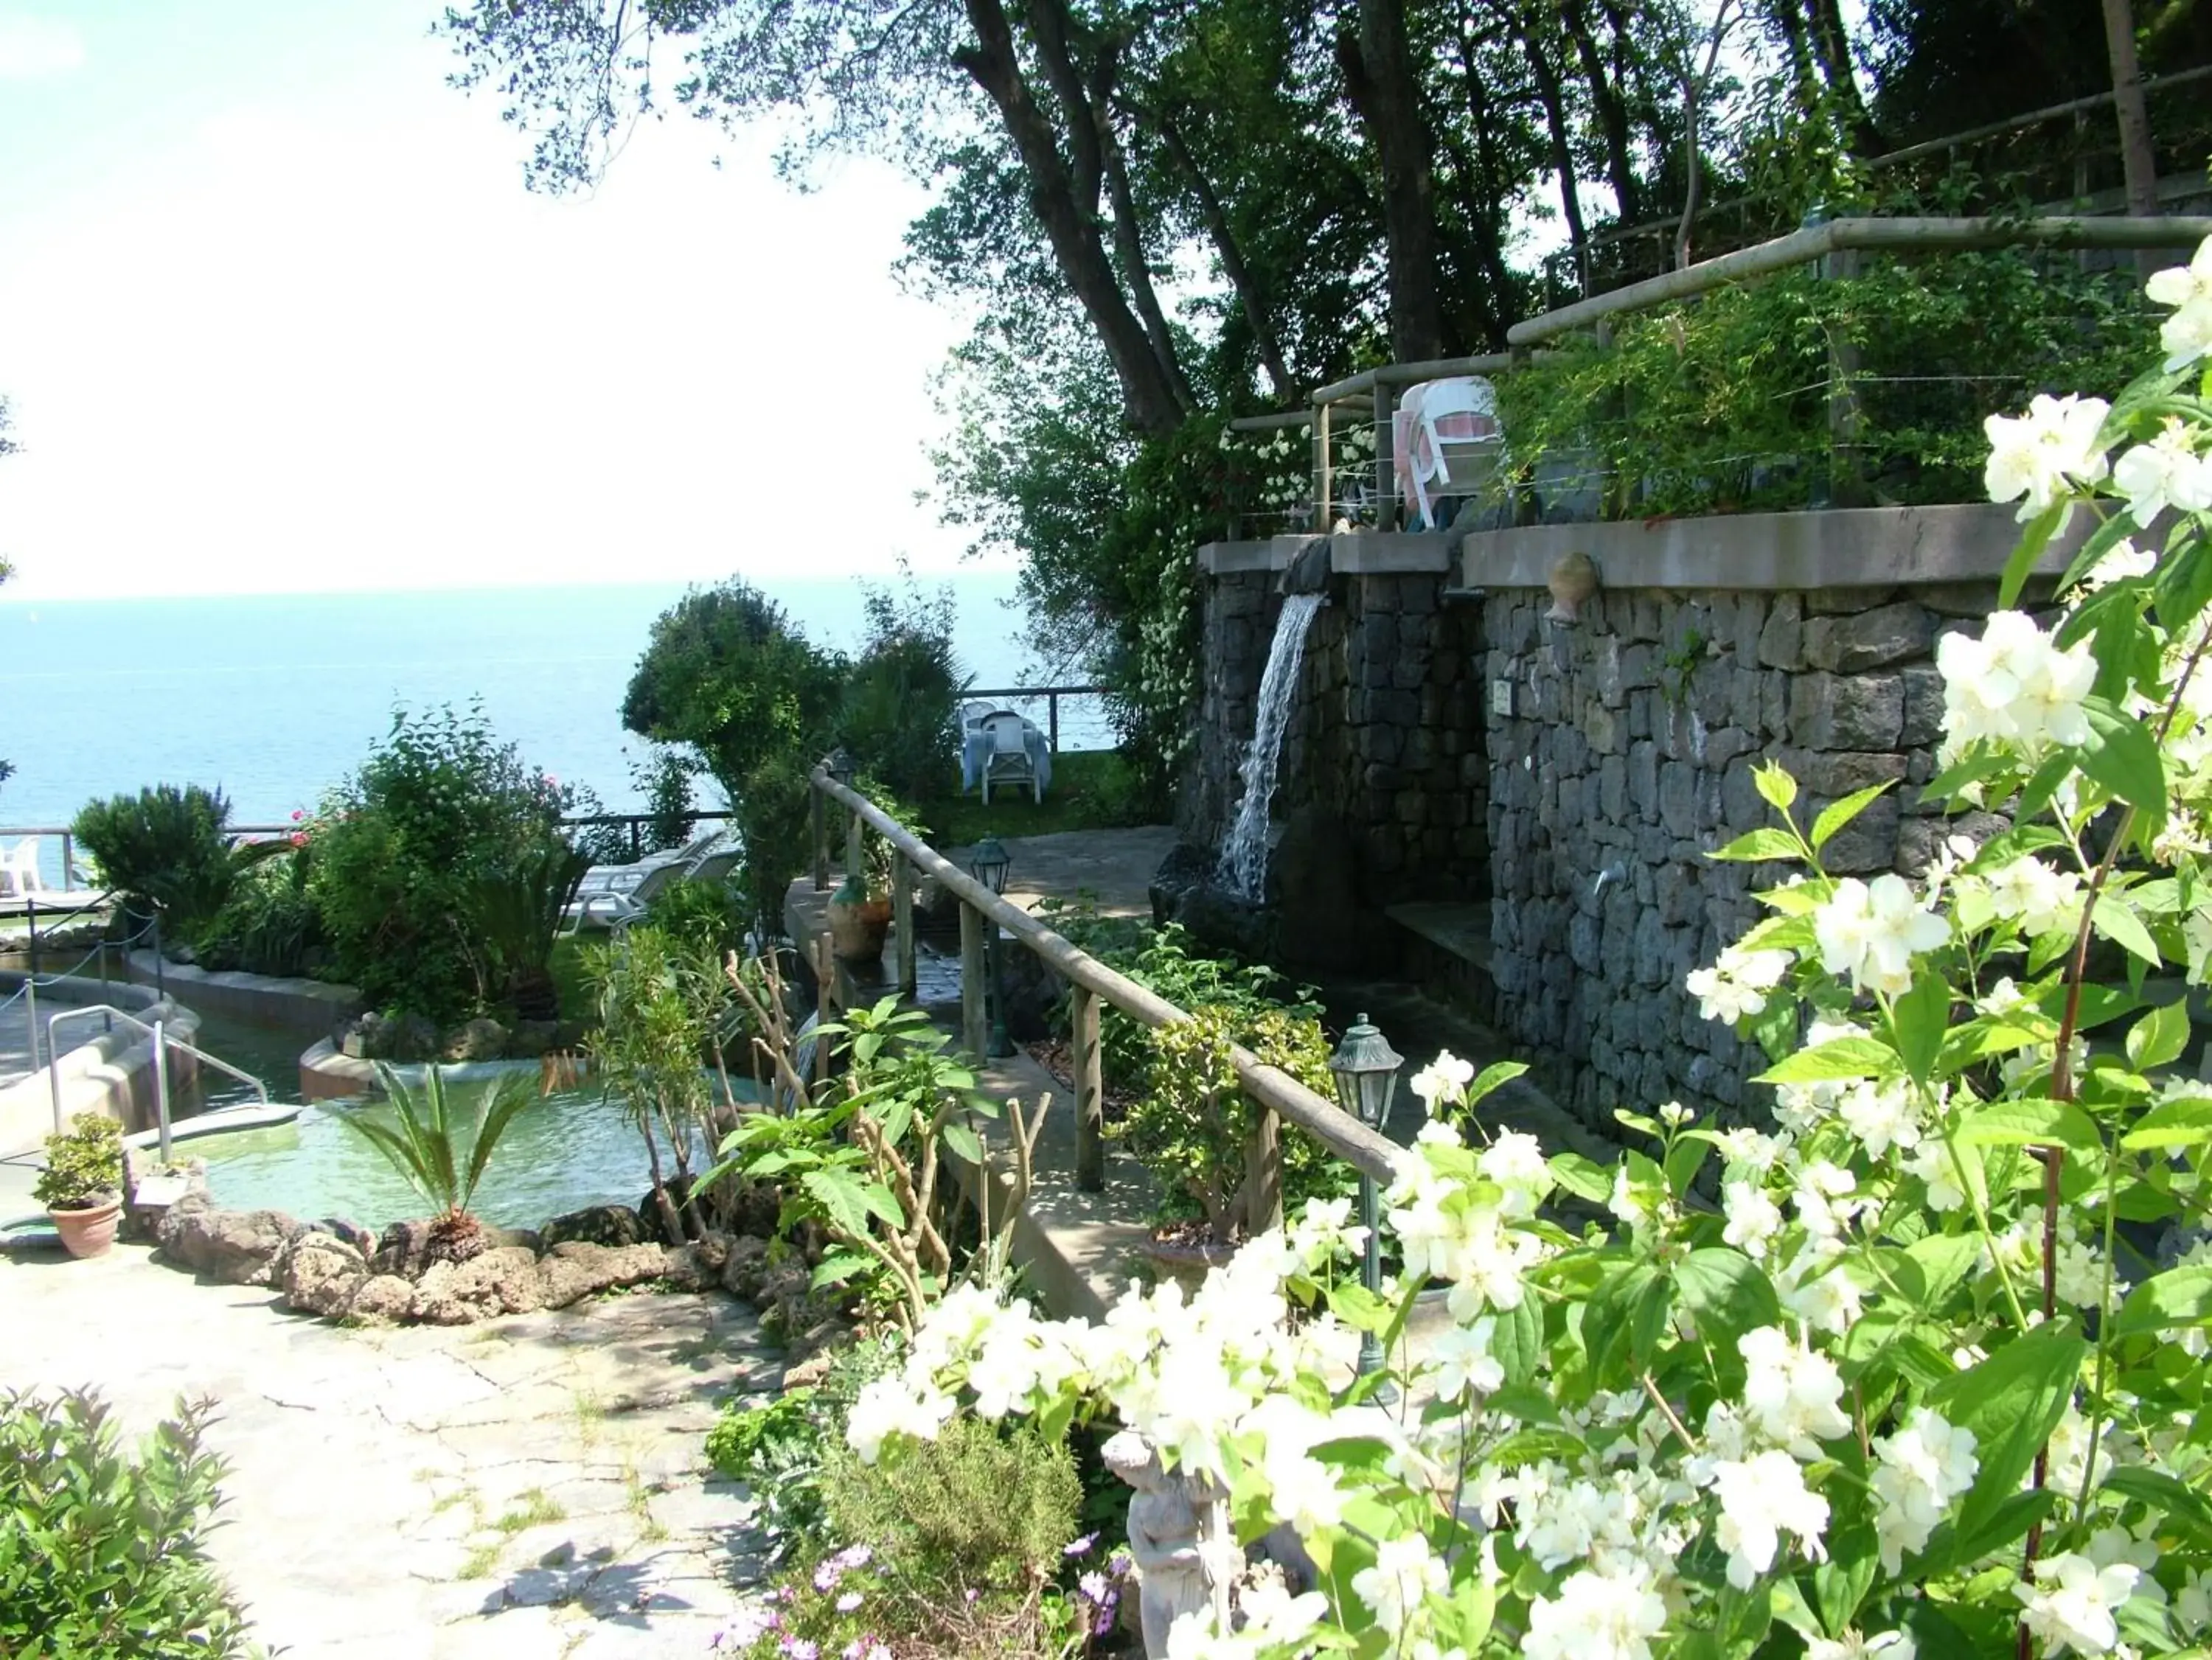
(1833, 48)
(2138, 161)
(1385, 93)
(1612, 111)
(1136, 269)
(1071, 225)
(1694, 86)
(1226, 246)
(1549, 92)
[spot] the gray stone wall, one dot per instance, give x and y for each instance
(1627, 756)
(1382, 767)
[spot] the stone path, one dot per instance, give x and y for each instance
(530, 1486)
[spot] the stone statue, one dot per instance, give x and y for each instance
(1164, 1529)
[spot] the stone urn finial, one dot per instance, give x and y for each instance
(1573, 580)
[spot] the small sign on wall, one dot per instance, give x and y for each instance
(1501, 697)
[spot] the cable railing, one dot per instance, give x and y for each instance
(27, 992)
(1279, 1096)
(1349, 474)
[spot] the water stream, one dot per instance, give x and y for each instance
(1244, 852)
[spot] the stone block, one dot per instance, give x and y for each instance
(1751, 613)
(1887, 635)
(1828, 601)
(1678, 805)
(1846, 711)
(1924, 706)
(1780, 640)
(1868, 843)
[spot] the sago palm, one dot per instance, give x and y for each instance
(425, 1149)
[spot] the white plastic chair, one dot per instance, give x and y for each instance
(19, 869)
(1428, 453)
(1009, 753)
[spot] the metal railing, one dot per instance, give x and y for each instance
(162, 1044)
(1371, 395)
(28, 993)
(1051, 694)
(1277, 1094)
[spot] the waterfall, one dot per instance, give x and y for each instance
(1244, 854)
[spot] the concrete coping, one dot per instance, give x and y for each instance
(1878, 548)
(292, 1003)
(1356, 553)
(326, 1074)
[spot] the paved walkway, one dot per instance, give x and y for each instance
(529, 1488)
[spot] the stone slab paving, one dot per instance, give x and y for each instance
(534, 1486)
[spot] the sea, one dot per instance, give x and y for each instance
(276, 697)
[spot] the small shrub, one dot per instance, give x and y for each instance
(103, 1556)
(708, 916)
(168, 851)
(778, 1450)
(84, 1164)
(425, 1147)
(895, 716)
(269, 925)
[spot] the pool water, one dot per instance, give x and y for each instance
(571, 1149)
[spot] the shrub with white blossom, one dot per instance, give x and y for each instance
(1924, 1374)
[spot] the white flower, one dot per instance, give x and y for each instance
(2011, 687)
(1325, 1231)
(2072, 1603)
(2192, 1603)
(895, 1406)
(1920, 1470)
(1931, 1163)
(1871, 931)
(2166, 472)
(1820, 1290)
(1405, 1572)
(2122, 561)
(1823, 1198)
(1790, 1393)
(1881, 1116)
(1273, 1616)
(1889, 1645)
(2043, 899)
(1443, 1079)
(1748, 1149)
(1596, 1616)
(2040, 455)
(1463, 1361)
(1736, 986)
(1761, 1498)
(2187, 334)
(1753, 1218)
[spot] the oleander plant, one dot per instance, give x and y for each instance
(1917, 1367)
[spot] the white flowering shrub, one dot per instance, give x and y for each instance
(1927, 1375)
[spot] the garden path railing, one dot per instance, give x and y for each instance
(1364, 403)
(1279, 1096)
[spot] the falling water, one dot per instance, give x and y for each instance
(1244, 854)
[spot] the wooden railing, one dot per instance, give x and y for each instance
(1832, 246)
(1277, 1096)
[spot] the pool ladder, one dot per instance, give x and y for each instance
(163, 1043)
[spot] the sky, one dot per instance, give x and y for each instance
(276, 314)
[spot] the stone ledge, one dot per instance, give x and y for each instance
(1877, 547)
(325, 1074)
(312, 1007)
(1356, 553)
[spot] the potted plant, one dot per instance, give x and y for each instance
(81, 1186)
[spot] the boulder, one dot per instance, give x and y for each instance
(322, 1274)
(231, 1247)
(746, 1267)
(479, 1039)
(382, 1297)
(648, 1209)
(750, 1208)
(575, 1270)
(531, 1038)
(352, 1233)
(403, 1249)
(409, 1039)
(504, 1279)
(598, 1225)
(695, 1267)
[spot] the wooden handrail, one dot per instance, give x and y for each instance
(1268, 1086)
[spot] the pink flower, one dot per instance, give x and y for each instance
(297, 814)
(299, 839)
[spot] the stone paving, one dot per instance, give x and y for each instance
(529, 1487)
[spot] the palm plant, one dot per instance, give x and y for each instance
(425, 1149)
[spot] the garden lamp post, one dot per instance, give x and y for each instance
(989, 863)
(842, 769)
(838, 764)
(1366, 1071)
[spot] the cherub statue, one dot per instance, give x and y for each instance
(1165, 1526)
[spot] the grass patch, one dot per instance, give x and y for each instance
(1089, 790)
(479, 1562)
(535, 1509)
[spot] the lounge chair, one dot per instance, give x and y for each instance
(23, 885)
(1008, 756)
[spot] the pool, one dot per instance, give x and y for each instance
(571, 1149)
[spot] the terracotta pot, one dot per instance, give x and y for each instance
(857, 931)
(88, 1232)
(1187, 1260)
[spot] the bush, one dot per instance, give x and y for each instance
(708, 916)
(84, 1164)
(269, 925)
(166, 849)
(779, 1448)
(104, 1558)
(900, 696)
(441, 870)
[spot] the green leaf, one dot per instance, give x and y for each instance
(1944, 1259)
(2117, 923)
(1837, 813)
(2022, 564)
(1684, 1160)
(1837, 1060)
(1726, 1294)
(1920, 1019)
(1989, 1529)
(2167, 1498)
(1775, 785)
(1581, 1177)
(2122, 754)
(2011, 1402)
(2178, 1297)
(965, 1142)
(1494, 1076)
(1517, 1343)
(2034, 1122)
(1757, 846)
(2100, 541)
(837, 1266)
(2184, 1122)
(2158, 1037)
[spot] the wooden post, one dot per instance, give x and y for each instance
(853, 853)
(1323, 482)
(902, 918)
(825, 979)
(1052, 719)
(1089, 1093)
(69, 861)
(820, 839)
(1263, 1170)
(1386, 450)
(974, 1021)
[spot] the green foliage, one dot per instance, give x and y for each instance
(663, 778)
(426, 1148)
(780, 1448)
(166, 849)
(708, 916)
(270, 924)
(897, 713)
(84, 1164)
(976, 1508)
(104, 1557)
(440, 870)
(1721, 405)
